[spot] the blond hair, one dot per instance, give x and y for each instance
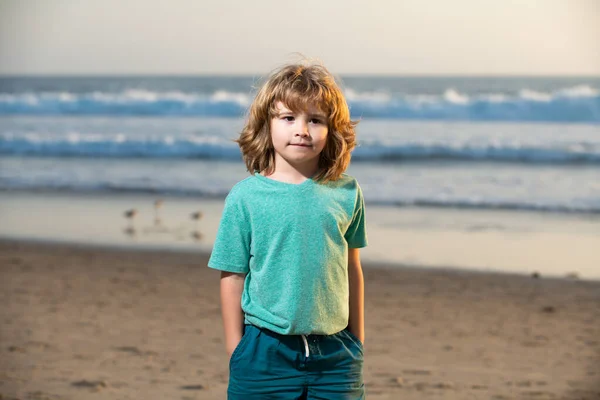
(297, 86)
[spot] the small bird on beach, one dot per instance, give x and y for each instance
(130, 231)
(196, 216)
(157, 205)
(130, 215)
(197, 236)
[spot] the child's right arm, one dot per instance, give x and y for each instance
(232, 286)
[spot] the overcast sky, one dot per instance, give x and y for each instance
(443, 37)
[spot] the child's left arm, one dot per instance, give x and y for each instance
(356, 323)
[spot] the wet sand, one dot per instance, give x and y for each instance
(84, 323)
(483, 240)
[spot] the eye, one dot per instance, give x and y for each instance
(315, 121)
(288, 118)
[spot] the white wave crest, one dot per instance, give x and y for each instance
(578, 91)
(532, 95)
(375, 97)
(454, 96)
(224, 96)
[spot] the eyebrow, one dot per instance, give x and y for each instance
(311, 115)
(287, 111)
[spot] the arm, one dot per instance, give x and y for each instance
(232, 285)
(356, 324)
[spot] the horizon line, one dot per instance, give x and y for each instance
(252, 74)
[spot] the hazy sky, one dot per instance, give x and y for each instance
(490, 37)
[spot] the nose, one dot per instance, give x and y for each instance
(302, 129)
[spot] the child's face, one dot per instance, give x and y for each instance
(298, 138)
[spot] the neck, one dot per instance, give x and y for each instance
(294, 173)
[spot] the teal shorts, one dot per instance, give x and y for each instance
(266, 365)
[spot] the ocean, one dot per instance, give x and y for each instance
(527, 144)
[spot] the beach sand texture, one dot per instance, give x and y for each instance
(94, 323)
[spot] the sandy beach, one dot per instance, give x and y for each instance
(83, 322)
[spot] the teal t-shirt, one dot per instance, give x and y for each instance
(291, 241)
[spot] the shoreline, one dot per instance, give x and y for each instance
(485, 241)
(83, 322)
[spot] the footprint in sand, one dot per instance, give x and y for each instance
(539, 394)
(527, 383)
(16, 349)
(135, 351)
(524, 384)
(549, 309)
(31, 345)
(93, 385)
(38, 395)
(443, 385)
(15, 261)
(416, 372)
(479, 387)
(193, 387)
(439, 385)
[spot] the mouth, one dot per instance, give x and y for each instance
(300, 145)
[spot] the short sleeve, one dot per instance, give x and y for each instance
(231, 251)
(356, 235)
